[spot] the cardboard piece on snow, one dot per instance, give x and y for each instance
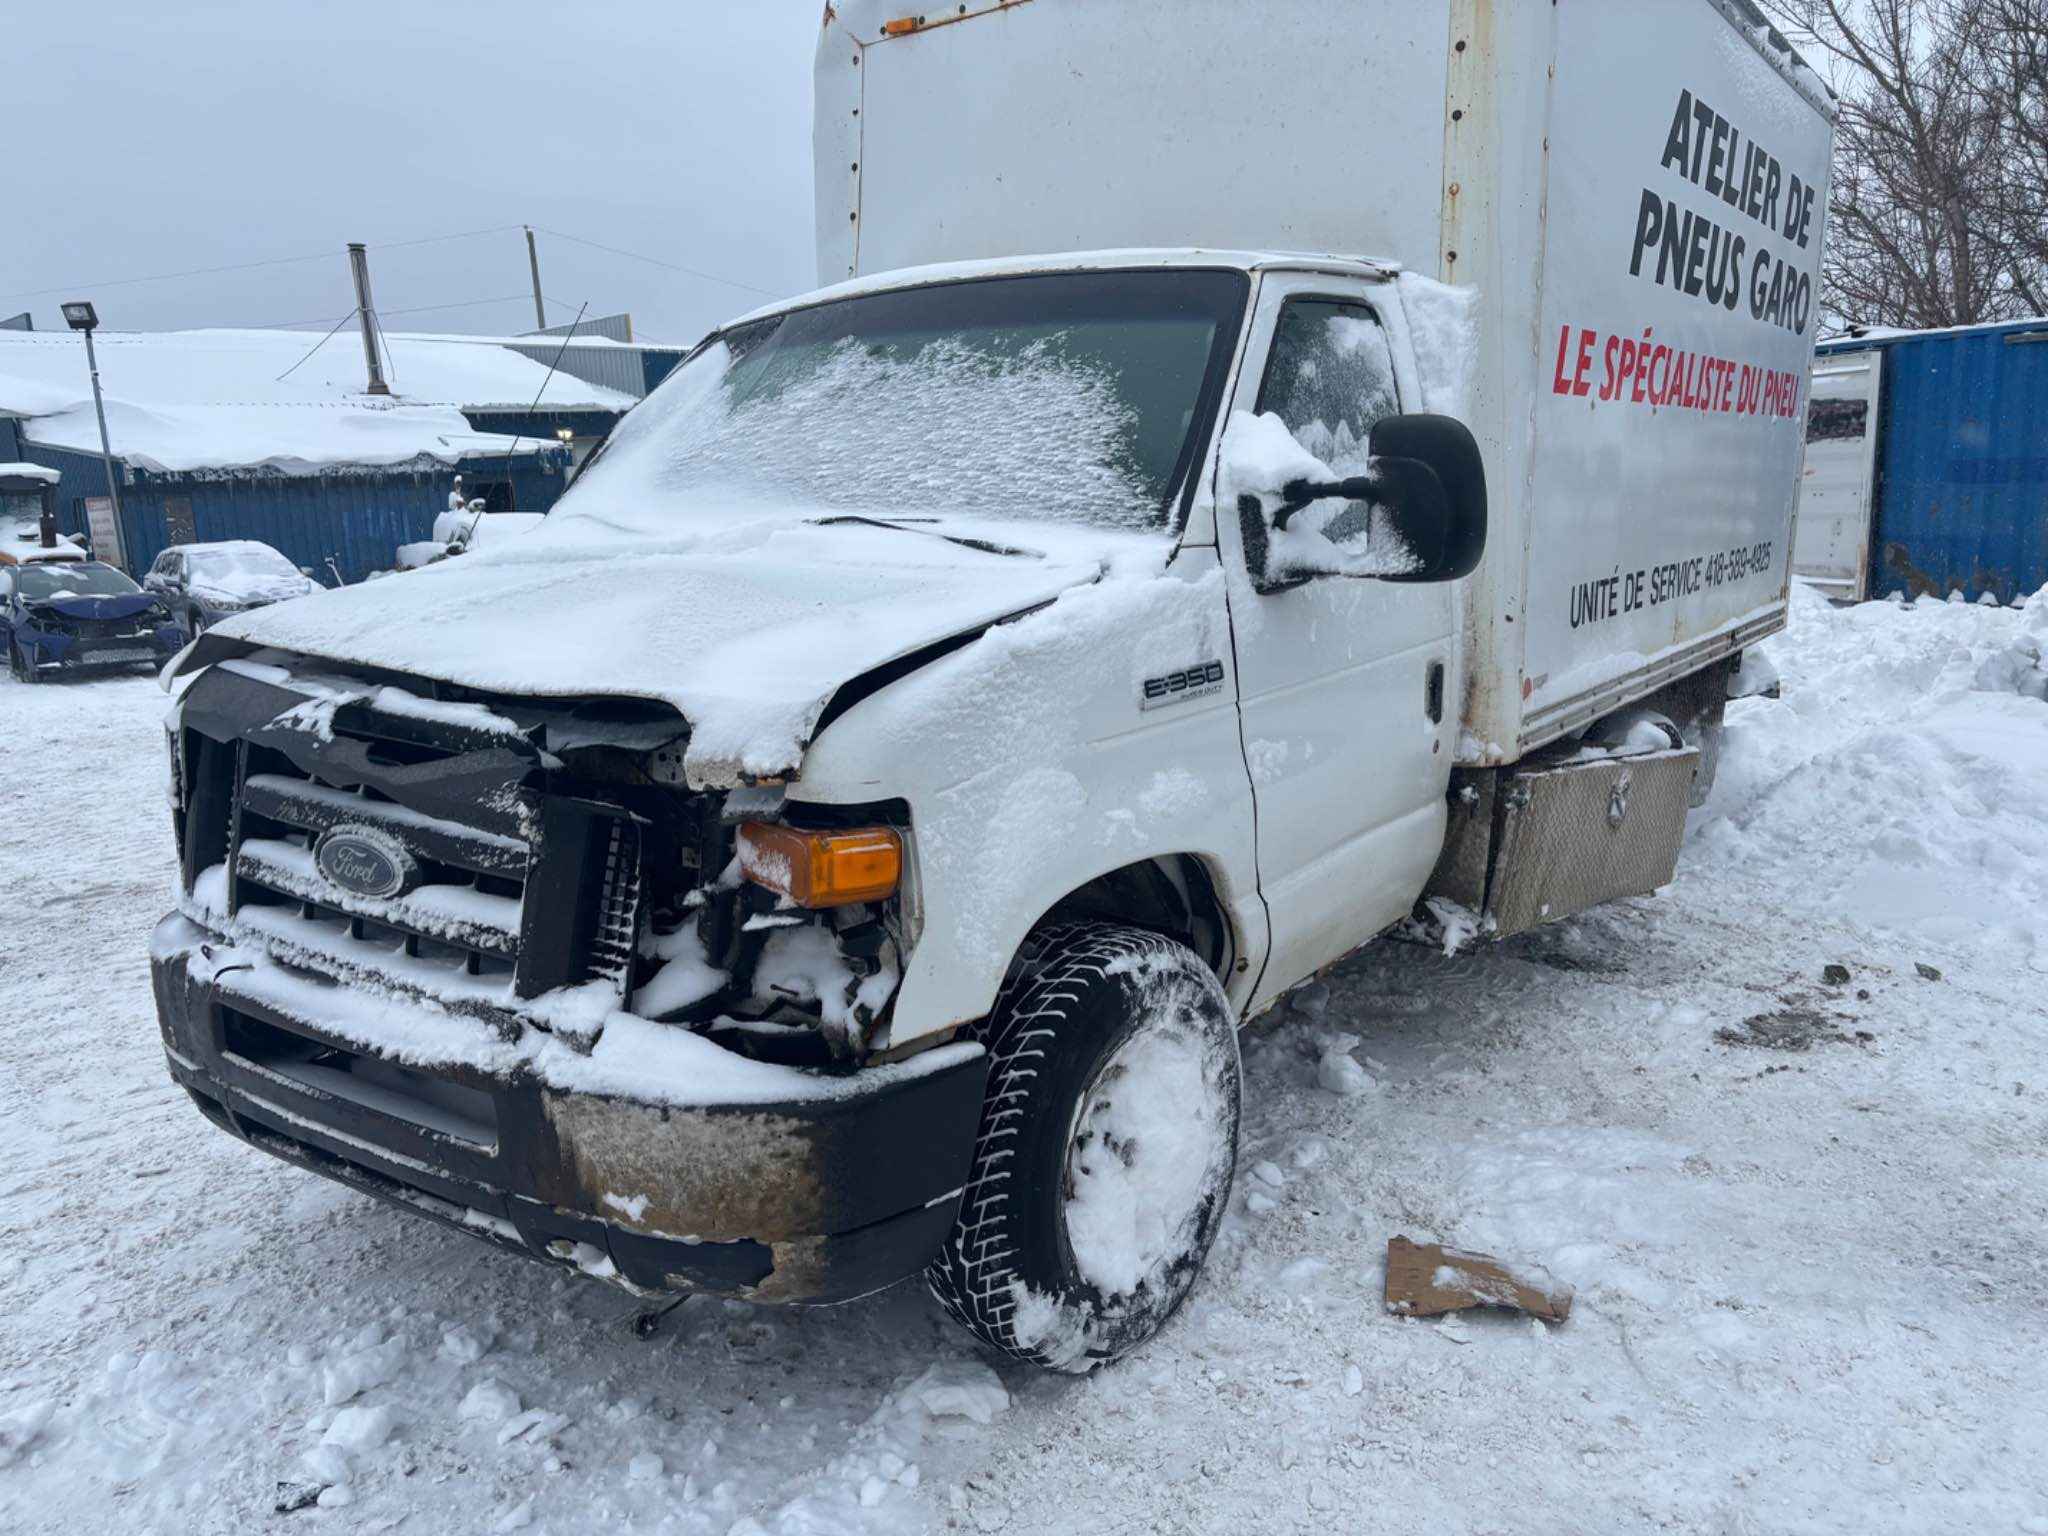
(1427, 1279)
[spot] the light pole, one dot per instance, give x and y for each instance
(81, 316)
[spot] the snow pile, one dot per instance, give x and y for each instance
(360, 1430)
(21, 1428)
(962, 1389)
(372, 1361)
(1337, 1071)
(1902, 779)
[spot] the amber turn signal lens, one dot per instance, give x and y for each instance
(822, 869)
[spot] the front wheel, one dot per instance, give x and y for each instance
(18, 663)
(1108, 1141)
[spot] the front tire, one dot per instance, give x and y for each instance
(1107, 1146)
(24, 671)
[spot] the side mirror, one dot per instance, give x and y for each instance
(1417, 515)
(1445, 524)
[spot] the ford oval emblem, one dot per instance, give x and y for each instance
(366, 861)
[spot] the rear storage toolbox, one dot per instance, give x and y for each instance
(1532, 844)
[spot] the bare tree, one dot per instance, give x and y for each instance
(1941, 106)
(2016, 90)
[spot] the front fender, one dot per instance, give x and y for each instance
(1030, 768)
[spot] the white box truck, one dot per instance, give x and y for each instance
(1256, 469)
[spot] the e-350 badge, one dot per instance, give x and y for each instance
(1199, 681)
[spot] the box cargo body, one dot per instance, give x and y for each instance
(1633, 193)
(1927, 464)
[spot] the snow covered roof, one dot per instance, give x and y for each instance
(1884, 335)
(40, 472)
(225, 547)
(1072, 261)
(64, 551)
(221, 399)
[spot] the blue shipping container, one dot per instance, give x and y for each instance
(1959, 486)
(354, 519)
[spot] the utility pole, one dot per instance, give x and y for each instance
(81, 316)
(359, 267)
(540, 310)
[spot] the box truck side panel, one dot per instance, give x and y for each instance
(1686, 182)
(1490, 235)
(1831, 546)
(1059, 125)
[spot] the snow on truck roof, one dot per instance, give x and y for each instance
(1074, 261)
(230, 399)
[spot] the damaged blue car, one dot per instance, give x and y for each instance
(65, 617)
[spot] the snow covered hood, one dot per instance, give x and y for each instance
(120, 605)
(249, 587)
(746, 631)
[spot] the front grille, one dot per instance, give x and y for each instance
(465, 910)
(130, 628)
(522, 884)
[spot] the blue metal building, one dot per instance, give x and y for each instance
(1943, 437)
(355, 518)
(249, 435)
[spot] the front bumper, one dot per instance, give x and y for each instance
(815, 1201)
(49, 650)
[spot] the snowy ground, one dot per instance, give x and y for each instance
(1811, 1282)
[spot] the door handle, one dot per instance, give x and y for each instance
(1433, 693)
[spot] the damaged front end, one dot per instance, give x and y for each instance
(494, 959)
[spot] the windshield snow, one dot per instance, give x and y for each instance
(1066, 398)
(80, 579)
(238, 565)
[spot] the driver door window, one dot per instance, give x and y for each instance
(1329, 377)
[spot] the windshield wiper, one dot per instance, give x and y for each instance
(986, 546)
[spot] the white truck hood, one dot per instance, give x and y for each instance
(746, 632)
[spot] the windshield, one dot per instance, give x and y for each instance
(1069, 397)
(224, 567)
(76, 579)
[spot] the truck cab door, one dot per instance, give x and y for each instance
(1343, 682)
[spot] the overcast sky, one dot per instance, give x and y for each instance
(148, 138)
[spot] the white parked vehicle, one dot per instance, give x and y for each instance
(202, 584)
(845, 838)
